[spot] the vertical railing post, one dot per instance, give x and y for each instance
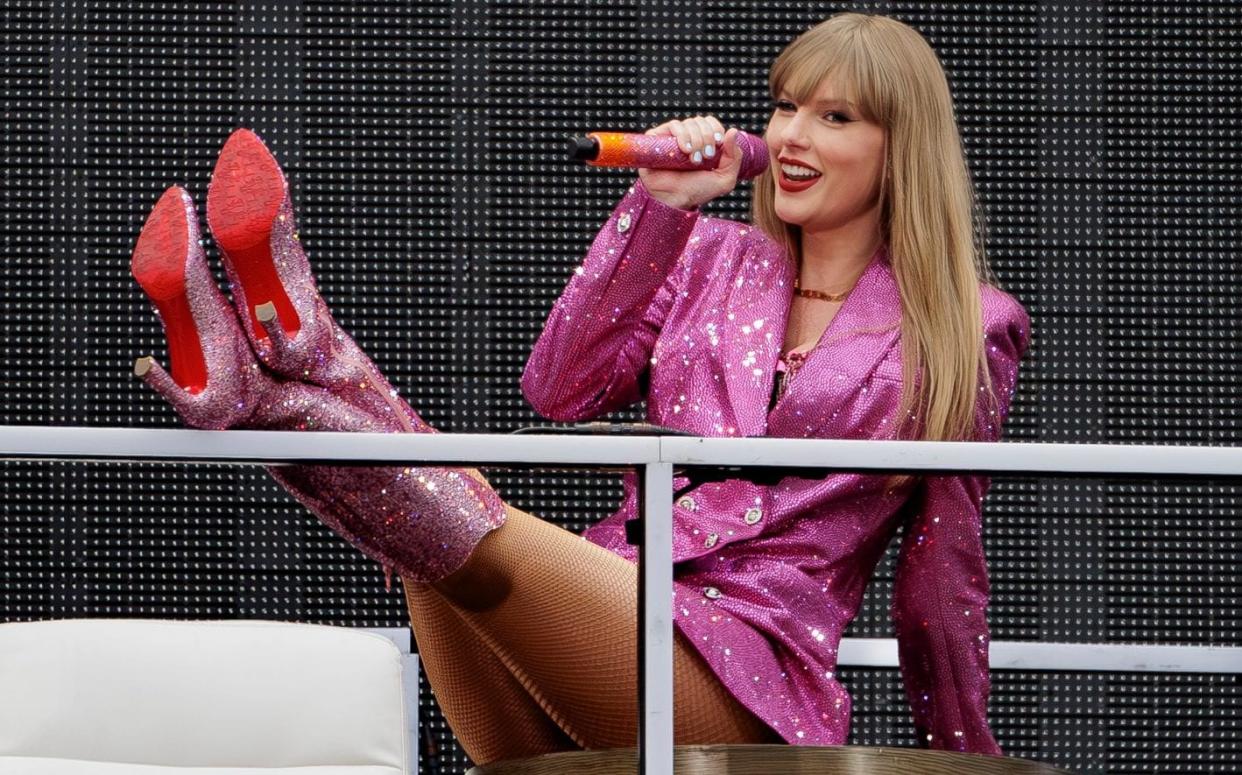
(655, 620)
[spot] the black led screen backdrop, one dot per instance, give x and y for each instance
(424, 145)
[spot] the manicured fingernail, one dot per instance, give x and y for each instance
(698, 157)
(688, 147)
(709, 151)
(719, 137)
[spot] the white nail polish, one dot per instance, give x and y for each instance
(698, 157)
(719, 137)
(709, 151)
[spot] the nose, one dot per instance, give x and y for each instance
(793, 133)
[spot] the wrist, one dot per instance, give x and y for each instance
(676, 201)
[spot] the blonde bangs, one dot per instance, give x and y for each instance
(928, 211)
(830, 50)
(831, 53)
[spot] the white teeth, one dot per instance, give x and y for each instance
(798, 173)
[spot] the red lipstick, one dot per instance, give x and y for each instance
(789, 184)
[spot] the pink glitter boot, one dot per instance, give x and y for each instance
(216, 382)
(421, 522)
(424, 522)
(251, 217)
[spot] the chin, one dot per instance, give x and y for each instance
(791, 218)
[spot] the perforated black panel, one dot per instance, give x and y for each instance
(424, 141)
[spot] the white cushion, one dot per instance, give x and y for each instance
(209, 695)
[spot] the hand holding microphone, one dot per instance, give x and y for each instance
(683, 163)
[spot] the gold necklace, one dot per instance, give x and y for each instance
(806, 293)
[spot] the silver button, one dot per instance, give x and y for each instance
(711, 540)
(753, 515)
(711, 593)
(686, 502)
(623, 223)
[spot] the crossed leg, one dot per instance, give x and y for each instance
(556, 614)
(553, 617)
(492, 715)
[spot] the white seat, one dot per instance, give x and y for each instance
(104, 697)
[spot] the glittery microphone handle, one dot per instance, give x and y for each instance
(621, 149)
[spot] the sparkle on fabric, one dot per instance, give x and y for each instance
(702, 334)
(425, 529)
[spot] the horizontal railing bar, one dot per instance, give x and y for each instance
(1067, 657)
(238, 447)
(586, 451)
(1002, 458)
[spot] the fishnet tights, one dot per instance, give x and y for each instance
(491, 715)
(530, 648)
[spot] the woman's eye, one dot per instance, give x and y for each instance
(836, 118)
(784, 106)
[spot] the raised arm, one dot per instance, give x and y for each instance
(598, 338)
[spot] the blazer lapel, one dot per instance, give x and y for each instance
(758, 309)
(861, 334)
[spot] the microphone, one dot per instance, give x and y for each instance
(661, 152)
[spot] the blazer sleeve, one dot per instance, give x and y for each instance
(598, 339)
(941, 592)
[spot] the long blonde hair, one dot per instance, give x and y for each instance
(929, 214)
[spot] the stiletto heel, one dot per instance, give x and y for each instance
(251, 217)
(424, 522)
(149, 371)
(244, 201)
(269, 320)
(215, 381)
(159, 265)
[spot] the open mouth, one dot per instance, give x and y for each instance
(796, 176)
(799, 173)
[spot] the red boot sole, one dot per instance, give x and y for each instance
(158, 264)
(247, 188)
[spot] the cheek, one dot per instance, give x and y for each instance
(771, 133)
(858, 158)
(862, 170)
(877, 163)
(860, 191)
(877, 155)
(875, 172)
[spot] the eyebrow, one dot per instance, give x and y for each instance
(834, 102)
(831, 102)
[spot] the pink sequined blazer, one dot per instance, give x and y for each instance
(689, 312)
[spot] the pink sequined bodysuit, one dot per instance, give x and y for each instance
(689, 312)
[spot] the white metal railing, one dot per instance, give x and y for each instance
(655, 457)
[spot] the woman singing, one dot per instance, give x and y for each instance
(856, 305)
